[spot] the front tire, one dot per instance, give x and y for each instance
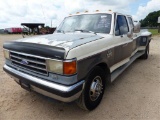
(146, 54)
(93, 90)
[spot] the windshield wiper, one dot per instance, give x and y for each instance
(85, 31)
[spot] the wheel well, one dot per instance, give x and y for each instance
(106, 69)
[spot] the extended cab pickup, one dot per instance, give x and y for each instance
(86, 52)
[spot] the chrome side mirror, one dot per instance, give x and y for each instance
(137, 27)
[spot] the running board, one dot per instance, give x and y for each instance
(119, 70)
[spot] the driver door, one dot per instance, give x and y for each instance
(122, 29)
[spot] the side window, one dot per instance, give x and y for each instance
(131, 22)
(117, 32)
(121, 26)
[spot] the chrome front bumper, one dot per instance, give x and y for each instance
(47, 88)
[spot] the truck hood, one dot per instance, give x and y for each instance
(54, 46)
(66, 41)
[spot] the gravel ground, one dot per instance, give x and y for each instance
(134, 95)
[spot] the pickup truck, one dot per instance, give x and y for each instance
(86, 52)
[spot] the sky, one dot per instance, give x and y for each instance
(15, 12)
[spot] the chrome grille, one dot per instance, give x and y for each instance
(30, 62)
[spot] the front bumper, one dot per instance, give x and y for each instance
(47, 88)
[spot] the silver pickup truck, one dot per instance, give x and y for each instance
(87, 51)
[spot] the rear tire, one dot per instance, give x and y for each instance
(146, 54)
(93, 90)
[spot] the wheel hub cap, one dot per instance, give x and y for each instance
(96, 88)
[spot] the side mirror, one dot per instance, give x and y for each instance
(137, 27)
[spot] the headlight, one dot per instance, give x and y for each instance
(55, 66)
(6, 54)
(67, 67)
(144, 39)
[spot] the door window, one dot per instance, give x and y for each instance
(131, 22)
(121, 26)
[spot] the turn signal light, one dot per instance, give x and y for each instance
(69, 67)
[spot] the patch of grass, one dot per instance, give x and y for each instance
(154, 31)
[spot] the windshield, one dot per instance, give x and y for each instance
(98, 23)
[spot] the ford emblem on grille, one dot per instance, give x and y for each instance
(24, 62)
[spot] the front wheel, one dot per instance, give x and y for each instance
(93, 90)
(146, 54)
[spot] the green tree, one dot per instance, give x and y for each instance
(151, 19)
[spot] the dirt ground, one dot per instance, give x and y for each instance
(134, 95)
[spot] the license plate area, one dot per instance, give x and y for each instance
(25, 85)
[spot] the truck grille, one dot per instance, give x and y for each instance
(29, 62)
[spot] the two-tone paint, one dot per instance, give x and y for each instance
(112, 53)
